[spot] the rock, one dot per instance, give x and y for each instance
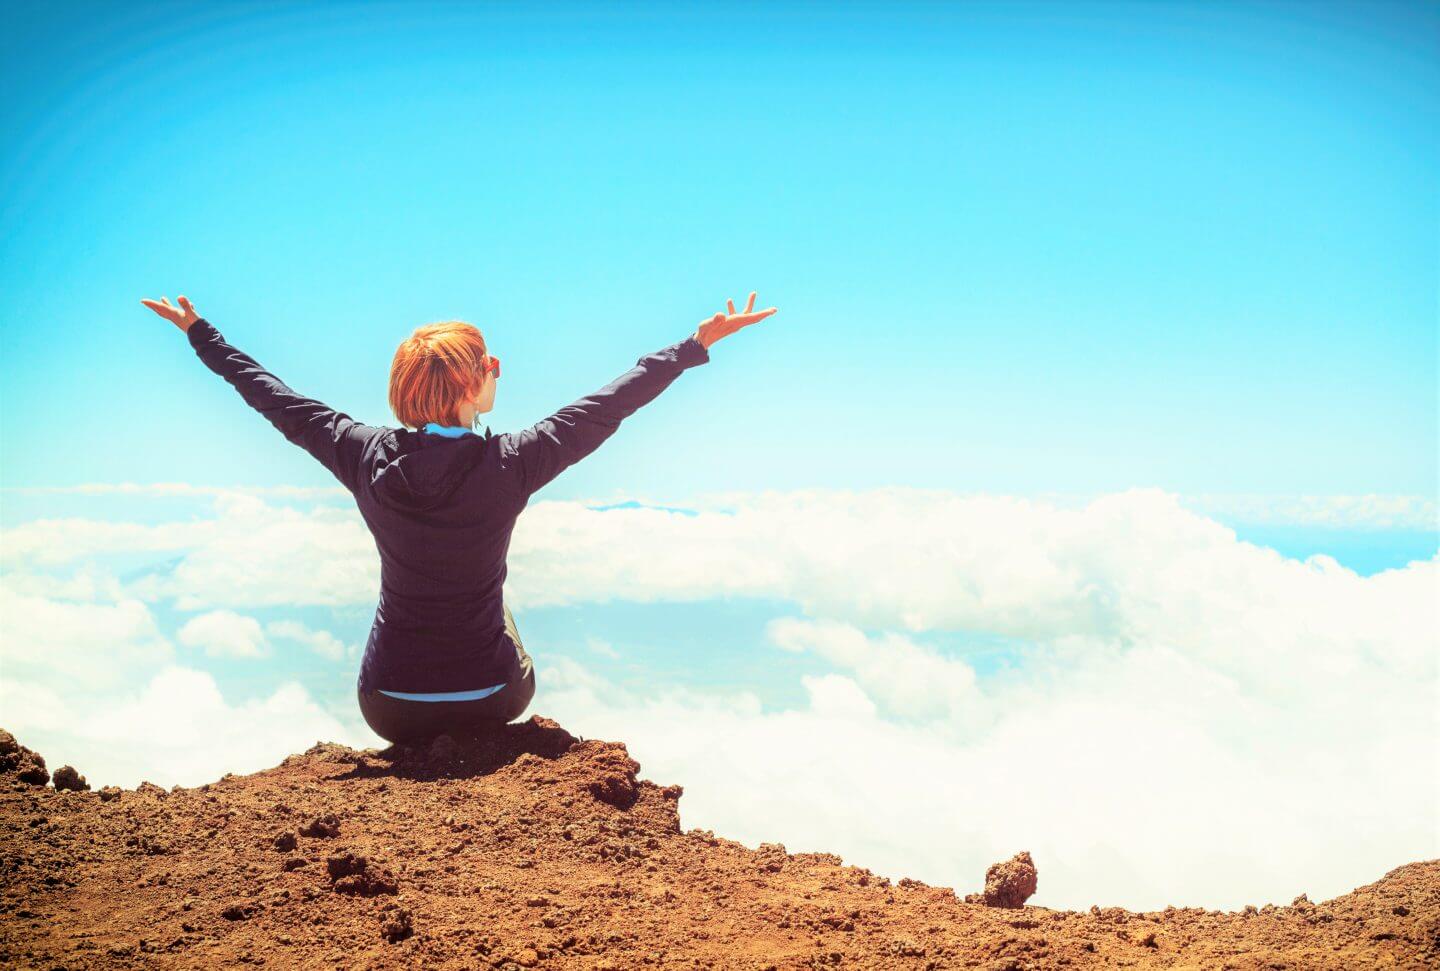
(17, 760)
(444, 753)
(371, 883)
(396, 925)
(344, 864)
(613, 774)
(906, 948)
(109, 793)
(285, 842)
(352, 874)
(66, 777)
(1008, 884)
(322, 827)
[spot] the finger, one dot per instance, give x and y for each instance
(746, 319)
(750, 304)
(185, 302)
(730, 307)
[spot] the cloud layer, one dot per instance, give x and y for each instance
(1193, 719)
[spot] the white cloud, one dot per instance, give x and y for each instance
(1144, 781)
(88, 582)
(224, 633)
(322, 642)
(602, 647)
(176, 729)
(250, 554)
(49, 542)
(1194, 715)
(1339, 512)
(75, 644)
(910, 679)
(259, 555)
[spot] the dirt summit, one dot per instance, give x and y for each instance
(535, 849)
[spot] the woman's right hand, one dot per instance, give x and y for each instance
(723, 325)
(182, 316)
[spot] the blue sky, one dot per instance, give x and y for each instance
(1140, 298)
(1032, 247)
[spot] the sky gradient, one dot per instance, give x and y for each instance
(1022, 248)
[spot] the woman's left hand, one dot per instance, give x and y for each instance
(182, 316)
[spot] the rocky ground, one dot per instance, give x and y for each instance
(535, 849)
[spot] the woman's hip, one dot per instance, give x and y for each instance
(399, 719)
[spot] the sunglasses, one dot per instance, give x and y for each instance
(492, 365)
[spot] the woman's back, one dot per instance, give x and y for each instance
(442, 511)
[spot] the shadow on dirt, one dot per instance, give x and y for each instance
(459, 755)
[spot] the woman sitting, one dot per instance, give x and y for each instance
(441, 500)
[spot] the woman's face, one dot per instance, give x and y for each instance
(482, 402)
(486, 399)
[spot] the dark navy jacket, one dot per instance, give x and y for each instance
(442, 509)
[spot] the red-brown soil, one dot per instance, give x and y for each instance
(535, 849)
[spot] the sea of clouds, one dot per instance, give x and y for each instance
(1195, 720)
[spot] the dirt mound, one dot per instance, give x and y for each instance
(536, 849)
(20, 764)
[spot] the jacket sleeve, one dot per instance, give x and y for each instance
(332, 437)
(549, 447)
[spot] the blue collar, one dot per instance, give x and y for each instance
(449, 431)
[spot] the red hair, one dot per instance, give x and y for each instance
(434, 370)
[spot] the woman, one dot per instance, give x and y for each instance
(441, 500)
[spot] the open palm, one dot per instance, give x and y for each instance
(182, 316)
(723, 325)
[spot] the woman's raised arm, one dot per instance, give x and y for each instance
(541, 452)
(332, 437)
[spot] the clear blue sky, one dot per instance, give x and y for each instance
(1015, 247)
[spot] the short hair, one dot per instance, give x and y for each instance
(435, 368)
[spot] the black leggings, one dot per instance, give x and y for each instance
(407, 722)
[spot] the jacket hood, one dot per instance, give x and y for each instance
(426, 469)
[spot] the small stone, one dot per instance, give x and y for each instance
(285, 842)
(67, 778)
(397, 926)
(110, 793)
